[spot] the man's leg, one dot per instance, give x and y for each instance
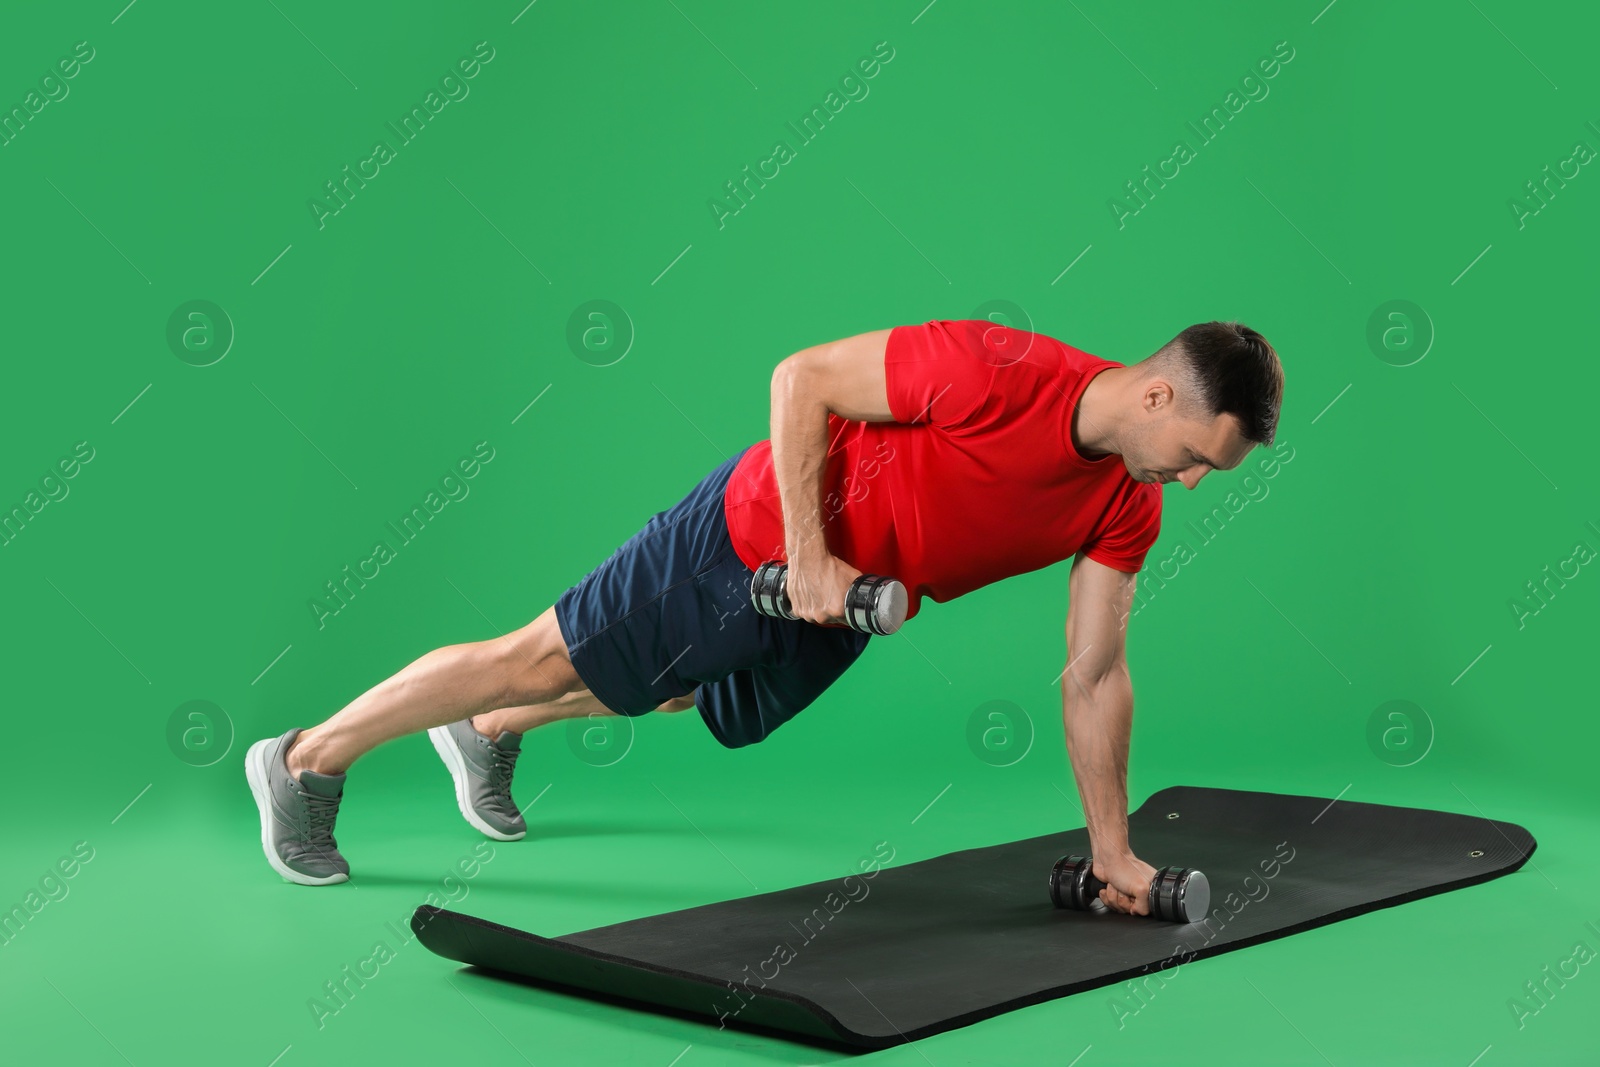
(529, 666)
(512, 681)
(298, 779)
(575, 705)
(481, 754)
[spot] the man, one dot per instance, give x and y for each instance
(947, 455)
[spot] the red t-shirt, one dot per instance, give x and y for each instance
(976, 480)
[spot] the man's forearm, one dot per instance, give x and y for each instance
(799, 457)
(1099, 719)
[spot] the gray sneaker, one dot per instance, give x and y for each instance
(482, 769)
(296, 815)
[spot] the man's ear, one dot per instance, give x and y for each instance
(1158, 396)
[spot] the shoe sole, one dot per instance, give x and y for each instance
(256, 770)
(445, 745)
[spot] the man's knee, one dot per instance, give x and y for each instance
(531, 665)
(683, 703)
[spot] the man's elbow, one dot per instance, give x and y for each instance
(782, 393)
(1097, 678)
(1116, 674)
(790, 376)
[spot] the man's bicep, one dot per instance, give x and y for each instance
(847, 375)
(1099, 600)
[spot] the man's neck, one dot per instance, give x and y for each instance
(1094, 423)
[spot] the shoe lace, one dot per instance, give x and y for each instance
(502, 765)
(321, 812)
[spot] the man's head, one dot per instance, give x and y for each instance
(1201, 403)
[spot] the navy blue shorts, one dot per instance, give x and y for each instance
(669, 614)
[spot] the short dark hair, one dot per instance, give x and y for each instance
(1231, 370)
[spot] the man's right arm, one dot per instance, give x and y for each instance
(1097, 709)
(844, 378)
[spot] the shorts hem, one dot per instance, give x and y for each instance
(576, 657)
(575, 651)
(711, 726)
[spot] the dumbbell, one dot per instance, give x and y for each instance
(1177, 894)
(873, 604)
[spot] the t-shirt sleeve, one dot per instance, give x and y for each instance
(963, 375)
(1122, 545)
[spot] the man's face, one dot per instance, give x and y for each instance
(1174, 445)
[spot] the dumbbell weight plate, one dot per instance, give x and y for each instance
(1180, 895)
(768, 592)
(1073, 885)
(875, 604)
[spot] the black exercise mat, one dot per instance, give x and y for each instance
(942, 943)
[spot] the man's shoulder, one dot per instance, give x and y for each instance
(1135, 505)
(1006, 344)
(981, 370)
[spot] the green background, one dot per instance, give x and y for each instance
(433, 309)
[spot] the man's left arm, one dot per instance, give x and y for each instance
(1097, 709)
